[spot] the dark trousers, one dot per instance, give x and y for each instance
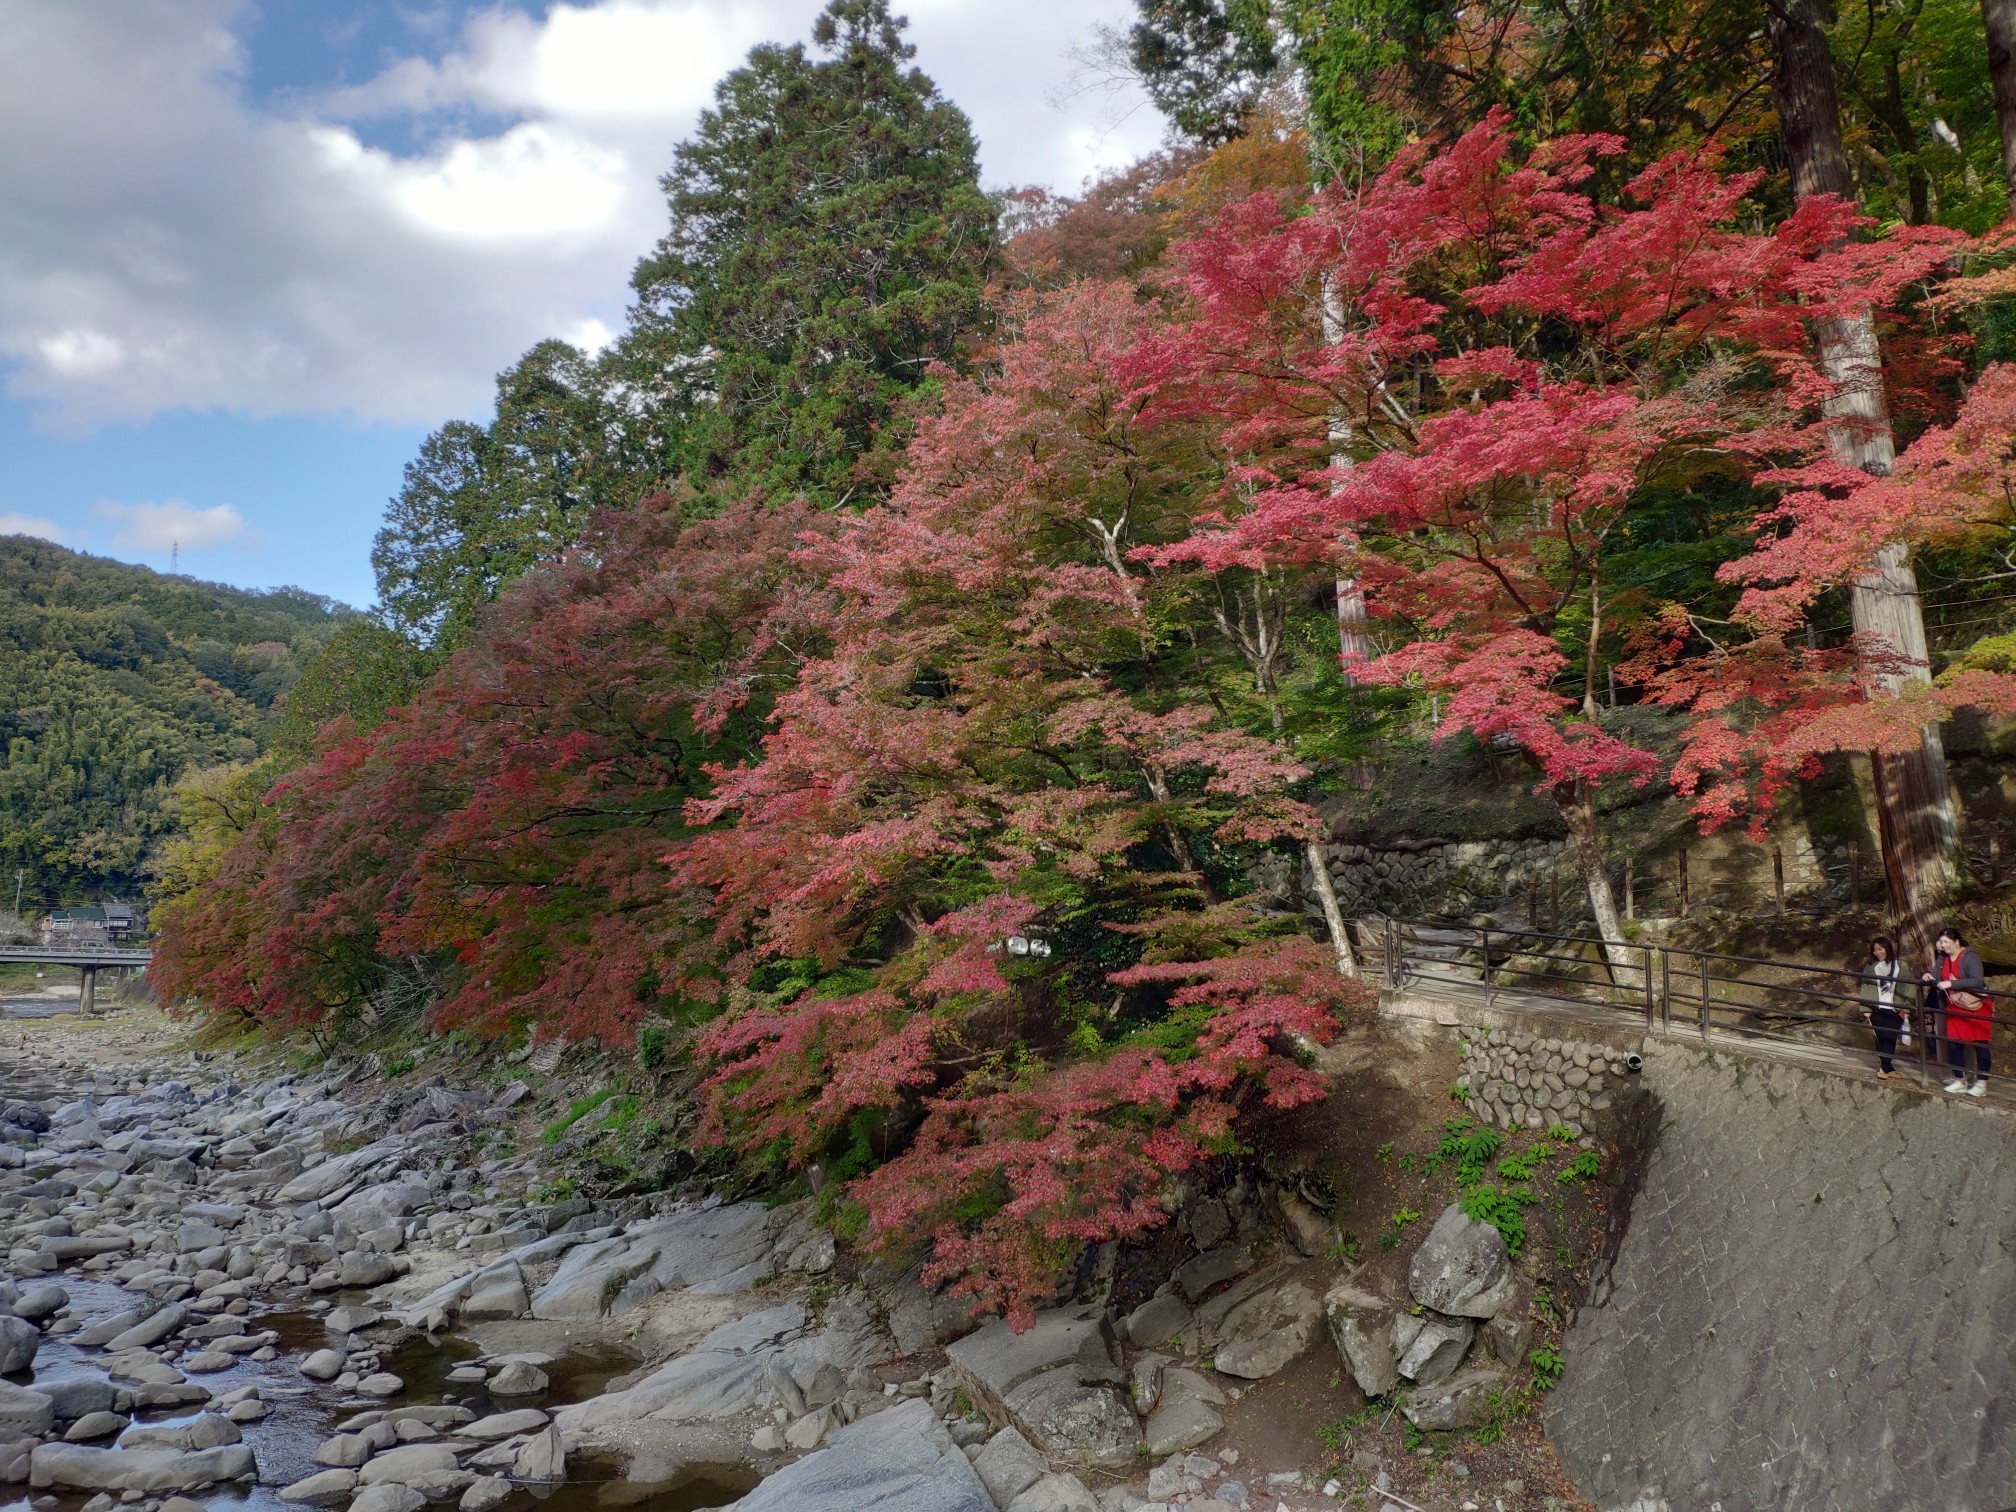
(1956, 1055)
(1886, 1022)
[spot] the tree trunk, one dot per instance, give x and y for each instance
(1999, 17)
(1577, 802)
(1352, 644)
(1917, 797)
(1333, 913)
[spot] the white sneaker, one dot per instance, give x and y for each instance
(1979, 1089)
(1956, 1085)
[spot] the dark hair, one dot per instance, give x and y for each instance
(1950, 933)
(1889, 947)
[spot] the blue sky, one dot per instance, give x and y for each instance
(252, 251)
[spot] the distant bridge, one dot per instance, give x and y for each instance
(88, 959)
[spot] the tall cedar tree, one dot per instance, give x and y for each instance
(829, 242)
(481, 504)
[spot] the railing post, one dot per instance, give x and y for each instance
(1651, 993)
(1485, 933)
(1665, 991)
(1704, 995)
(1778, 877)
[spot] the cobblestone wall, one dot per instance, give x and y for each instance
(1813, 1305)
(1524, 1081)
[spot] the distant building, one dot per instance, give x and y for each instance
(94, 924)
(124, 921)
(76, 926)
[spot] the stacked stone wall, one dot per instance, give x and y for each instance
(1526, 1081)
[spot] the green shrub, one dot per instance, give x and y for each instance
(1502, 1210)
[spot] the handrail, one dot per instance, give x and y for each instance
(1648, 980)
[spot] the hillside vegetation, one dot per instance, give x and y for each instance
(872, 685)
(114, 682)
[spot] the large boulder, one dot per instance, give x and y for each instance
(1430, 1345)
(742, 1364)
(319, 1181)
(79, 1467)
(497, 1295)
(719, 1249)
(899, 1460)
(1462, 1267)
(997, 1359)
(1362, 1326)
(19, 1340)
(429, 1469)
(1058, 1381)
(25, 1411)
(1266, 1331)
(1008, 1465)
(1460, 1401)
(40, 1303)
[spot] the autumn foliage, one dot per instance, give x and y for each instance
(928, 826)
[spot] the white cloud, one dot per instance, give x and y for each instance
(168, 245)
(12, 524)
(156, 528)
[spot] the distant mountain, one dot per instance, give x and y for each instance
(114, 680)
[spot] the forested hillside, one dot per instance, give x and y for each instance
(881, 682)
(115, 681)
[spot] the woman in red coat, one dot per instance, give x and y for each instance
(1969, 1010)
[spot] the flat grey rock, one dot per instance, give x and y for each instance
(1265, 1332)
(79, 1467)
(1179, 1425)
(996, 1359)
(1457, 1401)
(1008, 1465)
(328, 1488)
(1158, 1320)
(688, 1248)
(388, 1498)
(898, 1460)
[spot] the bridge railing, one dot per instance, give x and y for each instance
(1673, 989)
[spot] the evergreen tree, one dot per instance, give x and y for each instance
(482, 504)
(829, 243)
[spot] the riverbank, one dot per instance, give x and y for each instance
(250, 1284)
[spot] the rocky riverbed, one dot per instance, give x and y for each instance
(233, 1287)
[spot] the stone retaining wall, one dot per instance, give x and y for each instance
(1528, 1081)
(1451, 880)
(1812, 1305)
(1812, 1301)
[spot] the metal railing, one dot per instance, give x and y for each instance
(76, 955)
(1673, 989)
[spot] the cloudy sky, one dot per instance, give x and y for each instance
(252, 251)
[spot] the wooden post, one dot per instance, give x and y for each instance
(1778, 877)
(1685, 896)
(1855, 875)
(1630, 889)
